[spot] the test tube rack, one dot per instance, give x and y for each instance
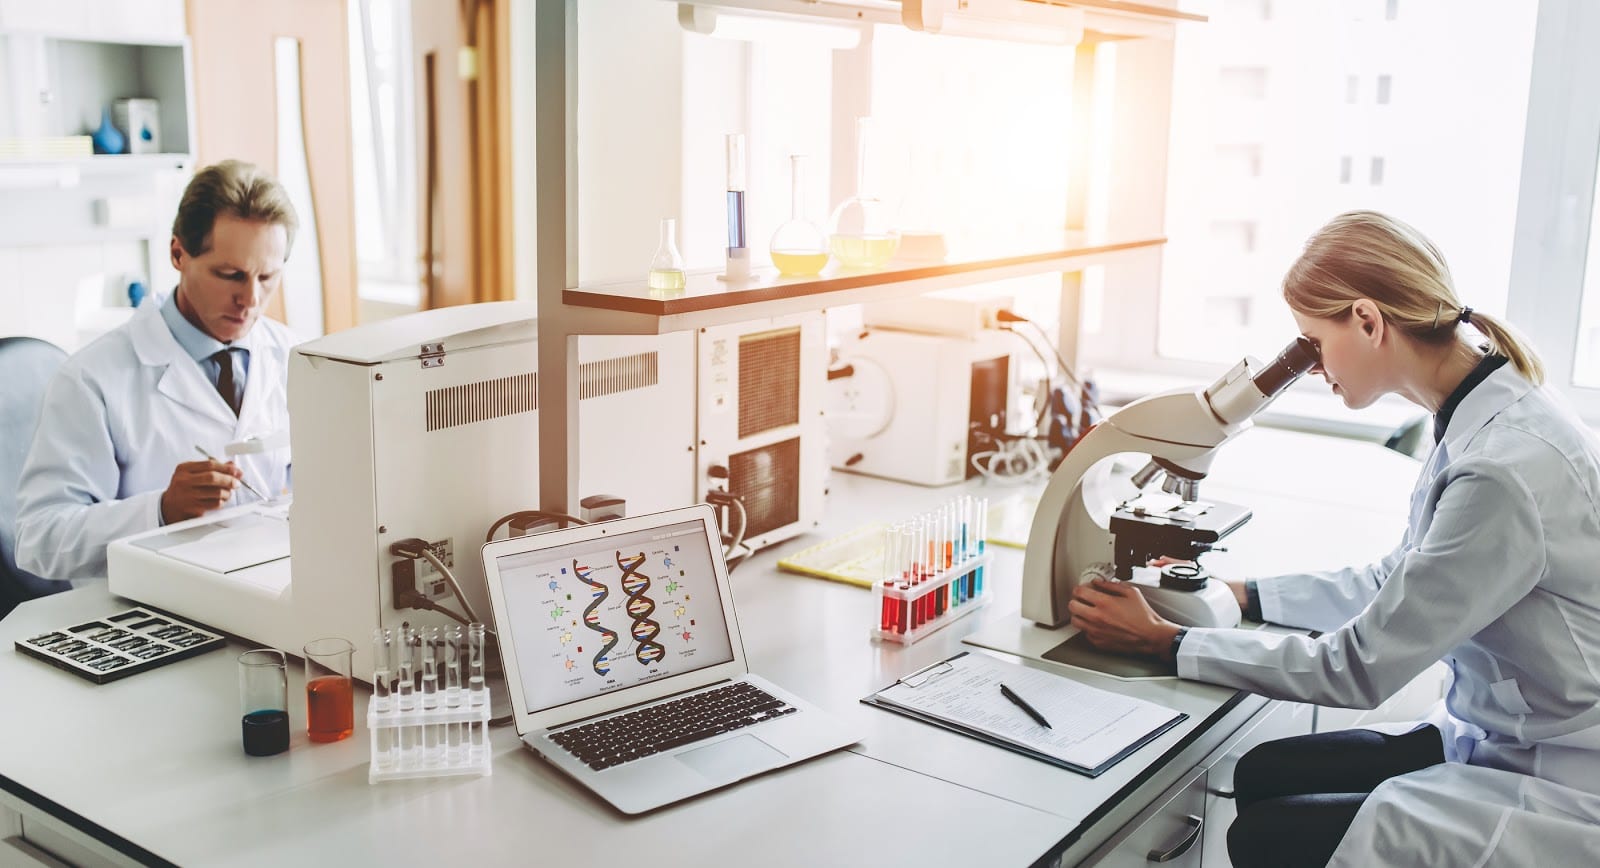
(426, 720)
(421, 744)
(934, 572)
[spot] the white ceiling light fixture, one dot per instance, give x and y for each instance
(754, 26)
(1012, 20)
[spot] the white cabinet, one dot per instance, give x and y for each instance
(1169, 833)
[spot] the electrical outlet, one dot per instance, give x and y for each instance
(430, 582)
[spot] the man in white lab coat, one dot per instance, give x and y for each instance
(1496, 575)
(120, 439)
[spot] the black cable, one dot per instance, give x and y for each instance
(1071, 375)
(1044, 406)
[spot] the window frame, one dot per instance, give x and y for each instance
(1561, 148)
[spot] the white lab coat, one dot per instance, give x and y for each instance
(1498, 575)
(118, 417)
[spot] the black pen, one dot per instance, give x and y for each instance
(1022, 704)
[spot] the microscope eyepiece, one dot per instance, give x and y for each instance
(1297, 358)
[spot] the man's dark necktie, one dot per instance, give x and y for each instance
(232, 394)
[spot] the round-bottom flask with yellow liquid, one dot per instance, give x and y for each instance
(864, 251)
(798, 248)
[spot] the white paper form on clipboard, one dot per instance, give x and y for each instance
(1090, 729)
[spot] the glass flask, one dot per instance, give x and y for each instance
(799, 248)
(859, 233)
(666, 279)
(921, 238)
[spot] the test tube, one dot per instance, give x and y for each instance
(405, 697)
(891, 564)
(432, 744)
(455, 740)
(983, 535)
(903, 610)
(383, 751)
(477, 690)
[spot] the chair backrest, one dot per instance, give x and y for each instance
(1413, 438)
(26, 366)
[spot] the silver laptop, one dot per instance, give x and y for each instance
(625, 666)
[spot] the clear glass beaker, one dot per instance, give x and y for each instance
(666, 278)
(921, 237)
(330, 705)
(861, 233)
(264, 701)
(798, 248)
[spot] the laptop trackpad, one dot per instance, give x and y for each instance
(732, 759)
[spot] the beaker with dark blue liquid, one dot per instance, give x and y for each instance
(264, 701)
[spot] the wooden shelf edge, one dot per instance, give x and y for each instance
(778, 291)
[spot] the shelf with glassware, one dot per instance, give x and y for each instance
(861, 257)
(706, 299)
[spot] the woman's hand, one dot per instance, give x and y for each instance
(1237, 588)
(1115, 617)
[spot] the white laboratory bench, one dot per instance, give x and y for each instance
(149, 769)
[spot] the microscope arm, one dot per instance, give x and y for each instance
(1180, 429)
(1071, 527)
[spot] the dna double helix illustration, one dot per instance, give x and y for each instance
(602, 663)
(634, 584)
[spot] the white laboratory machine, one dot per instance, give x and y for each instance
(423, 426)
(916, 407)
(761, 427)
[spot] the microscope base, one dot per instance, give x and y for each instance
(1211, 606)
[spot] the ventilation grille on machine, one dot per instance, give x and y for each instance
(451, 406)
(488, 399)
(610, 376)
(769, 381)
(767, 481)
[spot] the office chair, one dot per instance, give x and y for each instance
(1412, 438)
(26, 366)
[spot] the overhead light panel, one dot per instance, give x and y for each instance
(756, 26)
(1013, 20)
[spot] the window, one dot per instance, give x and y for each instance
(385, 161)
(1467, 66)
(1243, 82)
(1555, 278)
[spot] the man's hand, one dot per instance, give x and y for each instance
(1115, 617)
(197, 487)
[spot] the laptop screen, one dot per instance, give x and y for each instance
(602, 615)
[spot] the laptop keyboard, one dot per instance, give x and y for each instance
(616, 740)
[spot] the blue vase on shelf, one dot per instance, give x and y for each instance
(108, 139)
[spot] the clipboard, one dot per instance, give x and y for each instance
(1095, 726)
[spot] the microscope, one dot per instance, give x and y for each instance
(1089, 524)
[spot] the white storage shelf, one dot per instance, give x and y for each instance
(58, 86)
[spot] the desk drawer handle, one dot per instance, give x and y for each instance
(1194, 823)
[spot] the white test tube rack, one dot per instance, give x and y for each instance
(427, 731)
(394, 764)
(935, 572)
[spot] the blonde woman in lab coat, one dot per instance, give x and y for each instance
(1497, 575)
